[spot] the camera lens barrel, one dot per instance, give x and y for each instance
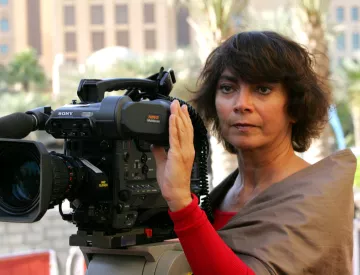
(21, 191)
(20, 184)
(63, 179)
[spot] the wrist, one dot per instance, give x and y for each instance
(176, 205)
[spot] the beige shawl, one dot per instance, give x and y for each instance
(301, 225)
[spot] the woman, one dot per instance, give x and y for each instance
(276, 214)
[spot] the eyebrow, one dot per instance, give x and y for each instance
(228, 77)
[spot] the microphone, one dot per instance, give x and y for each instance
(17, 125)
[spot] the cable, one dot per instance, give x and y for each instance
(201, 143)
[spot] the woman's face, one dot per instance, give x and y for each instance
(252, 116)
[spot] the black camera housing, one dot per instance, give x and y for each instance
(107, 170)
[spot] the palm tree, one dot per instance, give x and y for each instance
(313, 16)
(351, 68)
(213, 21)
(3, 77)
(24, 68)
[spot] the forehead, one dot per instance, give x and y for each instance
(229, 75)
(227, 71)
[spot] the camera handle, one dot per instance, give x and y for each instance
(93, 90)
(115, 84)
(165, 258)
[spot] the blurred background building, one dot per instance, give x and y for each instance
(347, 42)
(77, 28)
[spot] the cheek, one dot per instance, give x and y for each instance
(276, 118)
(221, 109)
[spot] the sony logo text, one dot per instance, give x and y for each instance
(65, 113)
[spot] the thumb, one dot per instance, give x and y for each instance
(159, 155)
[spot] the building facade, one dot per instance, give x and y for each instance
(345, 15)
(77, 28)
(347, 43)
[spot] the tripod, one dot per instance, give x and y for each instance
(164, 258)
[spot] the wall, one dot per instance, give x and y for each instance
(51, 232)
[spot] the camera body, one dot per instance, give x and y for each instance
(107, 171)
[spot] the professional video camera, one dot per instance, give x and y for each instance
(107, 171)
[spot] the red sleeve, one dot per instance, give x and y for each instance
(205, 251)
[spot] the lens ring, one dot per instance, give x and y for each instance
(19, 193)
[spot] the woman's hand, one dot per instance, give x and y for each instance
(173, 170)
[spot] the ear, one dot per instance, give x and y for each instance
(292, 120)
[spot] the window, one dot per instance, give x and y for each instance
(122, 38)
(150, 40)
(4, 2)
(149, 13)
(121, 14)
(183, 28)
(70, 42)
(33, 25)
(97, 15)
(356, 40)
(71, 61)
(355, 14)
(340, 42)
(340, 14)
(97, 40)
(4, 25)
(4, 49)
(69, 16)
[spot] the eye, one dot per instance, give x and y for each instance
(225, 88)
(264, 89)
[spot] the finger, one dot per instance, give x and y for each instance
(182, 125)
(173, 133)
(185, 127)
(160, 155)
(188, 119)
(190, 131)
(174, 107)
(188, 115)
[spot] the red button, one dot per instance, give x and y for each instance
(148, 232)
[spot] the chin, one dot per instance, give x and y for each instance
(245, 146)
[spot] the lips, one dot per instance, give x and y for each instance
(243, 125)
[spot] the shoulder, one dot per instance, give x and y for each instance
(338, 163)
(328, 177)
(308, 216)
(332, 177)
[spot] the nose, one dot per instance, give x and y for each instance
(243, 99)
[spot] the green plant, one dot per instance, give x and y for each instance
(24, 68)
(357, 174)
(11, 102)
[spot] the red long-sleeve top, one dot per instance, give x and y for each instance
(205, 251)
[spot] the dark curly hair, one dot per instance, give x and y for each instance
(266, 56)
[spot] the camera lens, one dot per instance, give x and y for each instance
(26, 182)
(20, 187)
